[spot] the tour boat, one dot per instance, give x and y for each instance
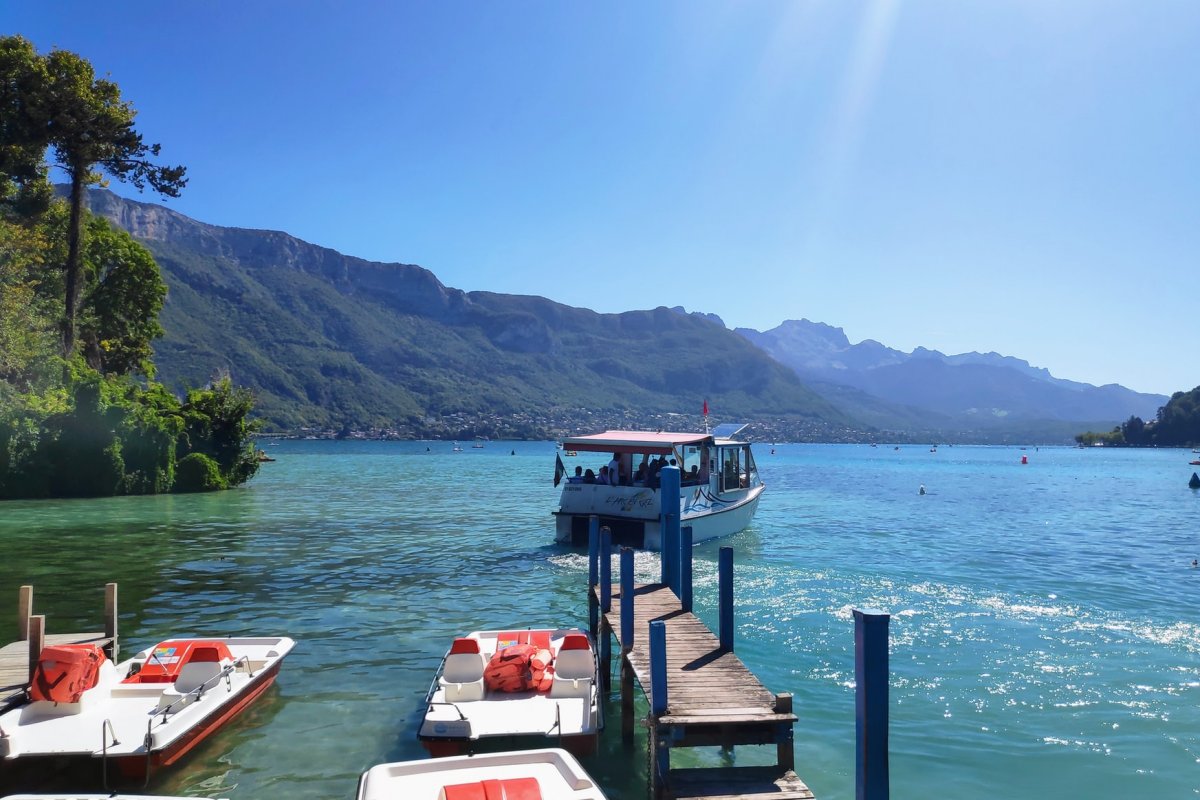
(513, 688)
(144, 713)
(550, 774)
(718, 493)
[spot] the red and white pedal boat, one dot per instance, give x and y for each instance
(515, 688)
(549, 774)
(144, 713)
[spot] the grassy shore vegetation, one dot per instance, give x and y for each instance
(1177, 424)
(80, 412)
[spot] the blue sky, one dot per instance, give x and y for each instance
(1015, 176)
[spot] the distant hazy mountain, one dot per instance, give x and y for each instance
(328, 340)
(984, 387)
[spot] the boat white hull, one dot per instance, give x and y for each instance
(708, 519)
(141, 726)
(559, 776)
(485, 719)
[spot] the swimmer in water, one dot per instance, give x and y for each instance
(922, 491)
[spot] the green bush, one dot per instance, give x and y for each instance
(197, 472)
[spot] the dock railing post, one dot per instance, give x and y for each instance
(37, 639)
(685, 568)
(110, 620)
(605, 570)
(593, 550)
(658, 668)
(658, 701)
(668, 526)
(593, 574)
(725, 598)
(785, 751)
(626, 599)
(871, 704)
(626, 645)
(24, 610)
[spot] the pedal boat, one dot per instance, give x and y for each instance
(464, 715)
(550, 774)
(144, 713)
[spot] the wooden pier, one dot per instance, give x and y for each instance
(712, 699)
(699, 692)
(19, 659)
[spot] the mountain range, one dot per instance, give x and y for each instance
(329, 341)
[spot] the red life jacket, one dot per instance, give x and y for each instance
(64, 672)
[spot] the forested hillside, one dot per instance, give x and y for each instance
(331, 341)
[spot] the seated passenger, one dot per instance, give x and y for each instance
(694, 475)
(577, 477)
(639, 477)
(589, 477)
(603, 479)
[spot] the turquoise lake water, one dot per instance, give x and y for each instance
(1045, 636)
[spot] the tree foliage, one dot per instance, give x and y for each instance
(90, 421)
(1177, 424)
(56, 104)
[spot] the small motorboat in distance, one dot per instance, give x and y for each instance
(549, 774)
(514, 688)
(144, 713)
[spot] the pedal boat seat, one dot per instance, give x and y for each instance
(201, 669)
(462, 677)
(574, 668)
(509, 789)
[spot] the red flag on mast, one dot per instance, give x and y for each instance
(706, 408)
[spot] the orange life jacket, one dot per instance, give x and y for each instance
(64, 672)
(509, 670)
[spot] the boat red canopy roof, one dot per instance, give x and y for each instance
(633, 441)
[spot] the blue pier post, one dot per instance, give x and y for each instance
(871, 704)
(658, 667)
(685, 568)
(593, 574)
(668, 526)
(658, 699)
(626, 599)
(725, 598)
(605, 570)
(593, 550)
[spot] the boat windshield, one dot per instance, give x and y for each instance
(737, 469)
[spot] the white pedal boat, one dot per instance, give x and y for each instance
(549, 774)
(144, 713)
(466, 713)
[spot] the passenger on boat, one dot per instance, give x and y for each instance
(577, 477)
(589, 477)
(639, 477)
(603, 479)
(614, 470)
(694, 475)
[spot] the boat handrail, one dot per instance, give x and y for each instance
(104, 749)
(202, 688)
(246, 661)
(433, 686)
(461, 715)
(557, 721)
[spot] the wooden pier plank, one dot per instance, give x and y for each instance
(696, 665)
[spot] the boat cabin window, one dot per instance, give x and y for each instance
(737, 470)
(691, 469)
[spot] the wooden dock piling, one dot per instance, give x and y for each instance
(19, 660)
